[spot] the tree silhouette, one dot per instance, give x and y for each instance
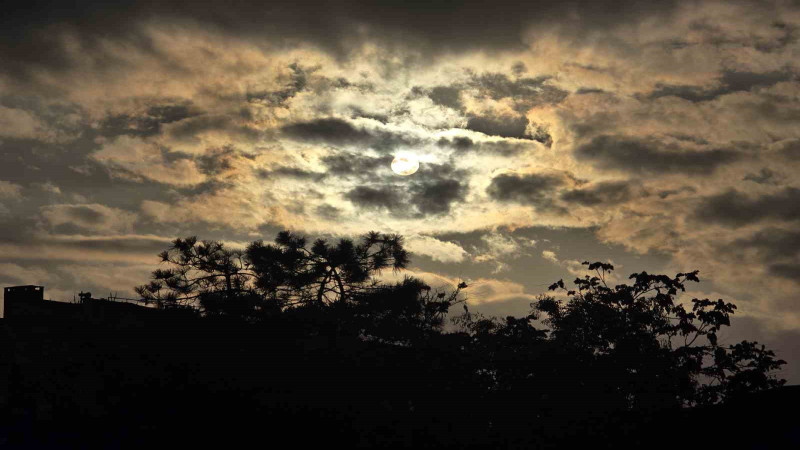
(268, 277)
(635, 346)
(362, 362)
(197, 269)
(325, 273)
(407, 312)
(649, 349)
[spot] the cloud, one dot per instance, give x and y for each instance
(550, 256)
(437, 196)
(339, 132)
(10, 191)
(765, 176)
(602, 193)
(499, 245)
(431, 191)
(421, 198)
(298, 82)
(19, 123)
(524, 93)
(535, 189)
(134, 158)
(501, 147)
(147, 122)
(438, 250)
(790, 149)
(346, 164)
(88, 217)
(336, 28)
(508, 127)
(729, 82)
(637, 155)
(773, 243)
(376, 197)
(449, 96)
(489, 290)
(734, 208)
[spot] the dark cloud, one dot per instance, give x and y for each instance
(339, 132)
(530, 189)
(636, 156)
(689, 138)
(519, 68)
(729, 82)
(216, 160)
(463, 144)
(297, 83)
(586, 90)
(765, 176)
(328, 211)
(191, 126)
(458, 143)
(714, 34)
(790, 149)
(436, 197)
(790, 271)
(670, 192)
(382, 197)
(734, 208)
(777, 249)
(291, 172)
(330, 130)
(772, 243)
(449, 96)
(431, 191)
(83, 213)
(525, 93)
(541, 133)
(508, 127)
(604, 193)
(358, 112)
(435, 26)
(354, 164)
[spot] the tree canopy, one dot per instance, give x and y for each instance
(629, 346)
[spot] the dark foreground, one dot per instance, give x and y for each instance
(167, 380)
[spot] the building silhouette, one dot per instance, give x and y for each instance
(16, 299)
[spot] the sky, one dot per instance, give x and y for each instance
(658, 136)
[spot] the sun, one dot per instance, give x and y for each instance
(405, 165)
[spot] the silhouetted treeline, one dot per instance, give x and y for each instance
(303, 343)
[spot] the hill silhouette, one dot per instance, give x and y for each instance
(285, 343)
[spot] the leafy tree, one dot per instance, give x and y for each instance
(408, 311)
(649, 349)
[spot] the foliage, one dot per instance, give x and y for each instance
(627, 347)
(650, 347)
(264, 279)
(197, 271)
(324, 273)
(407, 312)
